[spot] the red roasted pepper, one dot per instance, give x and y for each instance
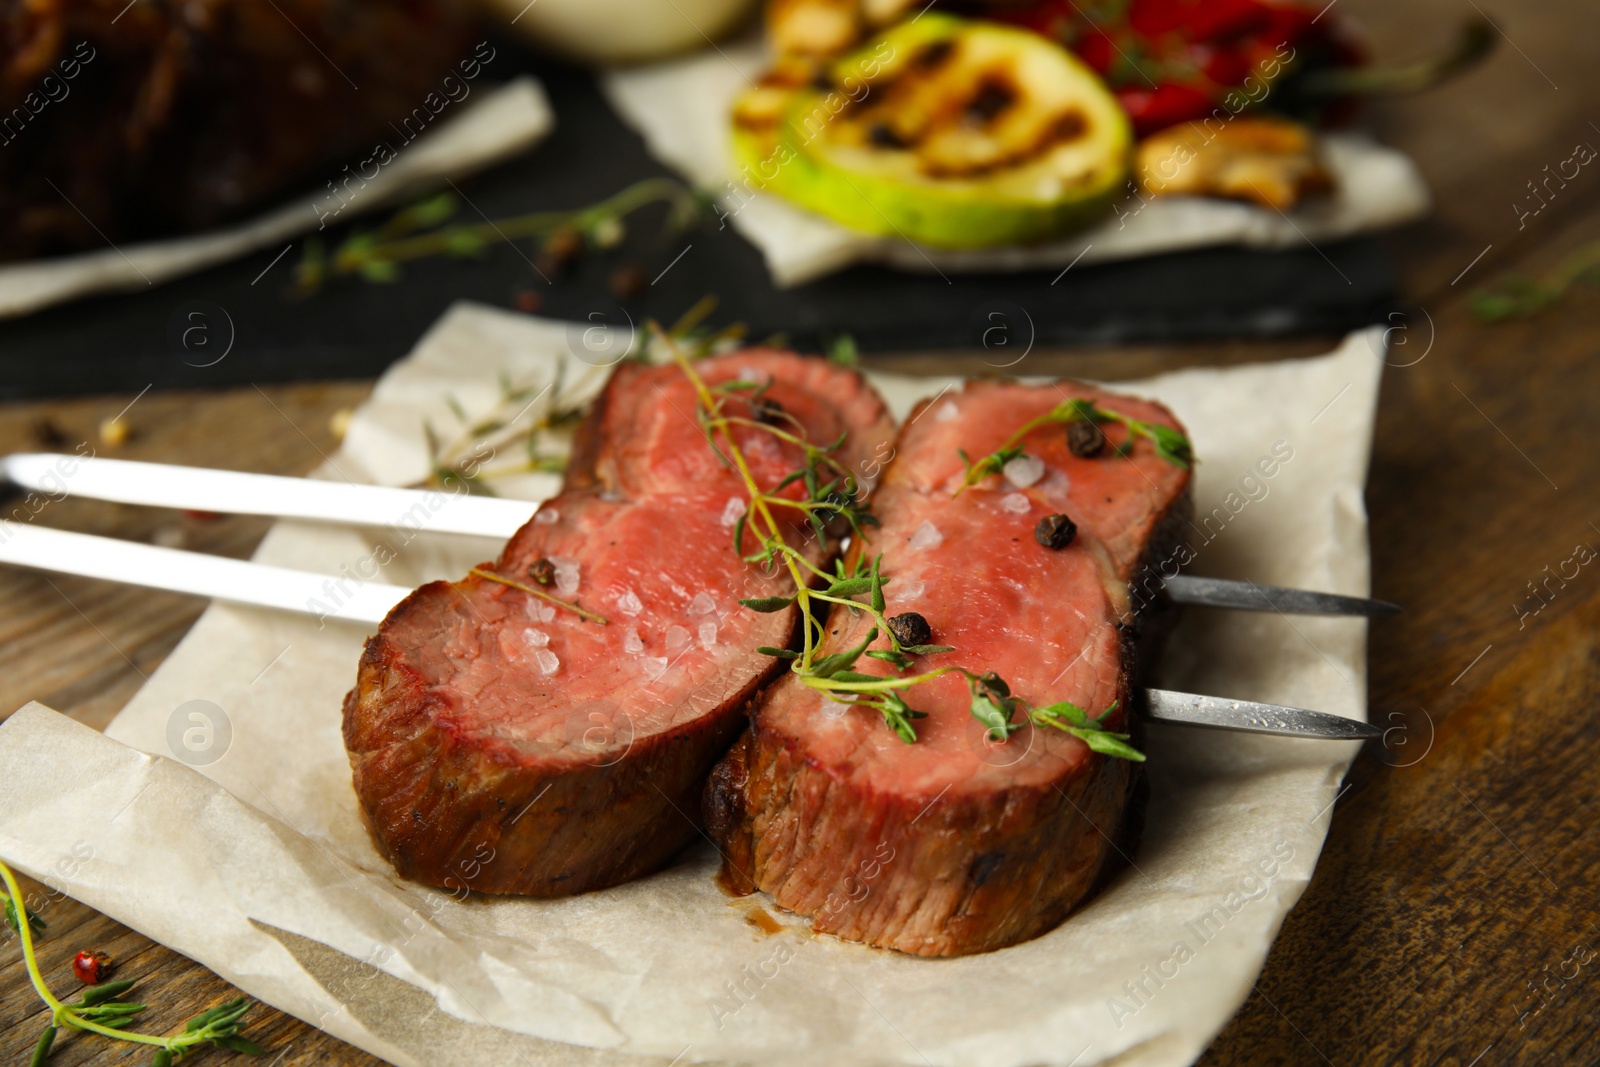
(1172, 61)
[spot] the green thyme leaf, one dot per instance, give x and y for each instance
(849, 587)
(379, 270)
(1077, 410)
(106, 991)
(897, 714)
(432, 211)
(1171, 445)
(1070, 718)
(927, 650)
(41, 1051)
(463, 241)
(767, 604)
(877, 585)
(993, 684)
(780, 653)
(213, 1015)
(240, 1044)
(11, 917)
(843, 352)
(995, 716)
(111, 1011)
(828, 666)
(1109, 744)
(1067, 712)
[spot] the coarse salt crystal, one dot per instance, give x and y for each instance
(926, 535)
(629, 603)
(566, 576)
(1022, 471)
(912, 590)
(655, 666)
(547, 661)
(1057, 483)
(702, 604)
(946, 412)
(631, 642)
(677, 639)
(547, 516)
(535, 638)
(763, 446)
(1016, 503)
(732, 510)
(708, 634)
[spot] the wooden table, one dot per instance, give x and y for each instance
(1452, 916)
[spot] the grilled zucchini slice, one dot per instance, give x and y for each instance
(952, 133)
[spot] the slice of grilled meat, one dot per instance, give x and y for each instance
(956, 844)
(505, 744)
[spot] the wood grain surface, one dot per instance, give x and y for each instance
(1456, 893)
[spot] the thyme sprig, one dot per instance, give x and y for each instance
(101, 1009)
(418, 231)
(1516, 296)
(994, 706)
(14, 922)
(532, 422)
(857, 585)
(529, 430)
(1170, 445)
(582, 613)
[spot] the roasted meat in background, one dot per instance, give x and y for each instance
(125, 122)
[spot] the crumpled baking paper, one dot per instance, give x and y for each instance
(237, 840)
(501, 122)
(681, 109)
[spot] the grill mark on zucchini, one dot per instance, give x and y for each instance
(994, 96)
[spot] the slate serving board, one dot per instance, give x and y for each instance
(355, 328)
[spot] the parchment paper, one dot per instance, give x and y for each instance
(681, 107)
(498, 123)
(256, 864)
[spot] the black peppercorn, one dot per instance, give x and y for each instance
(768, 412)
(1085, 439)
(911, 629)
(542, 571)
(1055, 531)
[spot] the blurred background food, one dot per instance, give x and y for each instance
(1000, 132)
(168, 116)
(1182, 71)
(620, 31)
